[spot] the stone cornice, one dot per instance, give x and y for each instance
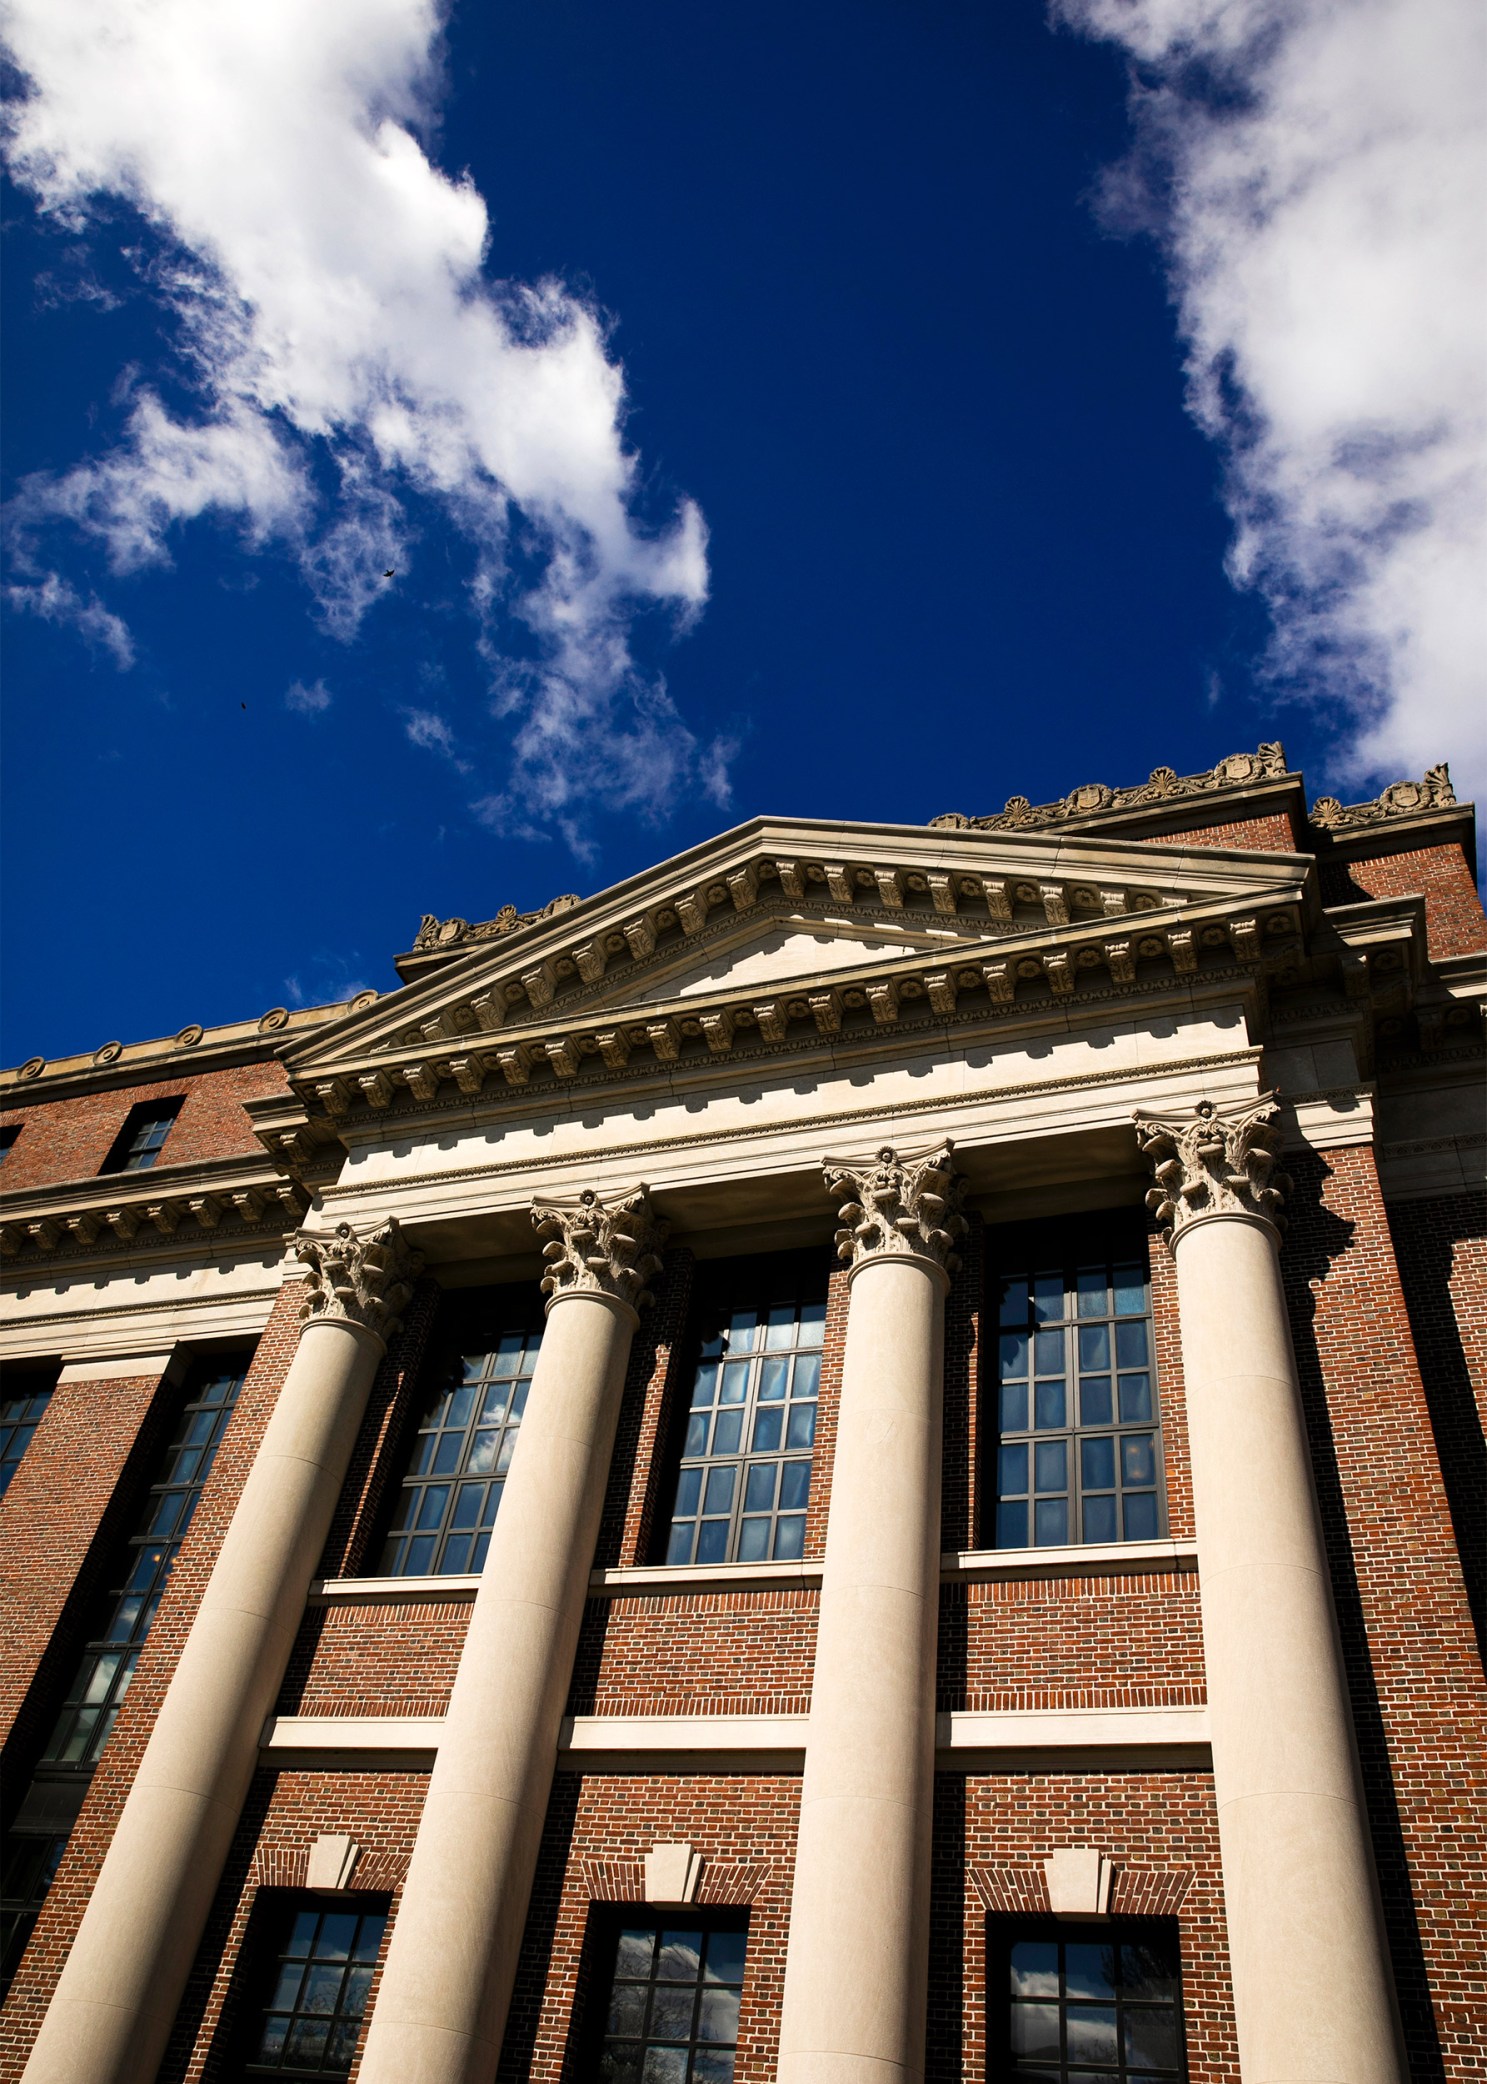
(1025, 979)
(185, 1055)
(238, 1195)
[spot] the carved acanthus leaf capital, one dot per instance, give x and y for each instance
(1221, 1162)
(899, 1205)
(596, 1249)
(366, 1281)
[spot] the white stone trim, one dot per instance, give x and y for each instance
(116, 1367)
(660, 1743)
(1095, 1559)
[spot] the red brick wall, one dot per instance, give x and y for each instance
(69, 1503)
(284, 1814)
(704, 1653)
(992, 1834)
(598, 1829)
(1419, 1699)
(1272, 834)
(1442, 875)
(1079, 1642)
(398, 1657)
(70, 1139)
(1441, 1246)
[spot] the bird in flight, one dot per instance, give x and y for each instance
(389, 575)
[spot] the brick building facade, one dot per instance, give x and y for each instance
(1009, 1605)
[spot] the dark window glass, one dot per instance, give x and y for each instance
(669, 1991)
(1078, 1455)
(1093, 2005)
(7, 1140)
(745, 1475)
(18, 1419)
(28, 1866)
(102, 1678)
(313, 1958)
(441, 1523)
(145, 1129)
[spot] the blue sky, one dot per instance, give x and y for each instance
(905, 377)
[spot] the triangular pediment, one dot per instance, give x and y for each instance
(781, 914)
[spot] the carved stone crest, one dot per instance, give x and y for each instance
(596, 1249)
(366, 1281)
(900, 1205)
(1234, 771)
(436, 933)
(1222, 1162)
(1434, 792)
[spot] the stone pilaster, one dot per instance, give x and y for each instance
(116, 1999)
(857, 1970)
(441, 2010)
(1313, 1991)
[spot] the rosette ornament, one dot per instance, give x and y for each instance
(1221, 1163)
(901, 1205)
(596, 1249)
(366, 1281)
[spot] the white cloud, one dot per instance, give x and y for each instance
(54, 600)
(335, 313)
(309, 700)
(426, 728)
(1315, 170)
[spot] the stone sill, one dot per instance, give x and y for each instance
(972, 1566)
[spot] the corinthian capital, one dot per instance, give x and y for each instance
(597, 1250)
(366, 1281)
(905, 1205)
(1221, 1163)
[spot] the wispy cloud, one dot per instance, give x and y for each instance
(426, 728)
(1314, 170)
(336, 316)
(311, 700)
(54, 600)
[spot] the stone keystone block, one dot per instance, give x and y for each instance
(1078, 1878)
(672, 1874)
(333, 1859)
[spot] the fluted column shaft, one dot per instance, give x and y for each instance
(856, 1973)
(1313, 1989)
(116, 1999)
(446, 1987)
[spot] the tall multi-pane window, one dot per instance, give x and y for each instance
(669, 1991)
(1092, 2005)
(312, 1959)
(19, 1416)
(1078, 1455)
(140, 1141)
(745, 1475)
(442, 1520)
(28, 1866)
(108, 1661)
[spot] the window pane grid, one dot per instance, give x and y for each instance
(30, 1866)
(673, 2006)
(108, 1661)
(143, 1135)
(321, 1972)
(18, 1421)
(442, 1522)
(745, 1476)
(1079, 1450)
(1095, 2009)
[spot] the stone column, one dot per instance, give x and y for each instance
(441, 2010)
(1313, 1990)
(856, 1973)
(116, 1999)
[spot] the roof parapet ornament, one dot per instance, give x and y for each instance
(439, 934)
(1399, 800)
(1233, 772)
